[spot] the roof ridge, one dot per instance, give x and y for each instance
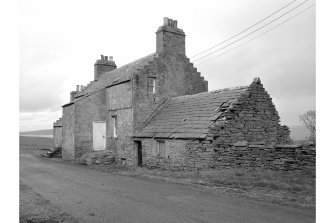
(213, 91)
(125, 65)
(122, 73)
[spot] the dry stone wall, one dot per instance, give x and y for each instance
(194, 155)
(252, 118)
(279, 157)
(283, 135)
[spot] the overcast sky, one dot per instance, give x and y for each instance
(60, 41)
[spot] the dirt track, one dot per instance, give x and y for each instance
(56, 191)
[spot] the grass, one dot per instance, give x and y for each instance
(295, 188)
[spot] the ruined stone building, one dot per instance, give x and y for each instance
(157, 112)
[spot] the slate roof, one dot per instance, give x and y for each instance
(116, 76)
(190, 116)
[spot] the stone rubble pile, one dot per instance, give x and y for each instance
(98, 157)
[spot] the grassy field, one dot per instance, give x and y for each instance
(36, 145)
(295, 188)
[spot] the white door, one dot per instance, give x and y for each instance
(99, 136)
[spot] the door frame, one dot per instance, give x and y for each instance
(139, 152)
(104, 136)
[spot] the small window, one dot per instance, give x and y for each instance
(152, 84)
(161, 148)
(114, 123)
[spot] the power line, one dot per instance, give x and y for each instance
(253, 31)
(245, 29)
(258, 35)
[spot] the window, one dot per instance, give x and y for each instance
(113, 121)
(152, 84)
(161, 148)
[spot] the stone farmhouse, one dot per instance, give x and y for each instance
(157, 112)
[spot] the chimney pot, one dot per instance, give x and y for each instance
(77, 89)
(110, 58)
(102, 57)
(106, 58)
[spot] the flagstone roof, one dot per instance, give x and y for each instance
(116, 76)
(190, 116)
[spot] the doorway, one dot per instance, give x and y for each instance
(138, 147)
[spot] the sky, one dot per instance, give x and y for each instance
(61, 40)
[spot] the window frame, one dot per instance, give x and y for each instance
(152, 85)
(114, 126)
(160, 148)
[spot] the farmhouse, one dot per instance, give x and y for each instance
(157, 112)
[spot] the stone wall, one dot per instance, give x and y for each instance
(68, 132)
(105, 157)
(87, 110)
(252, 118)
(199, 156)
(123, 144)
(179, 155)
(279, 157)
(174, 154)
(194, 155)
(57, 136)
(119, 104)
(283, 135)
(170, 39)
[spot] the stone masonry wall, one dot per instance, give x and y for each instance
(119, 104)
(252, 118)
(58, 136)
(180, 155)
(193, 155)
(175, 76)
(174, 154)
(279, 157)
(68, 132)
(169, 39)
(87, 110)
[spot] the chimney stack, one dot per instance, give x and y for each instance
(169, 38)
(103, 65)
(72, 94)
